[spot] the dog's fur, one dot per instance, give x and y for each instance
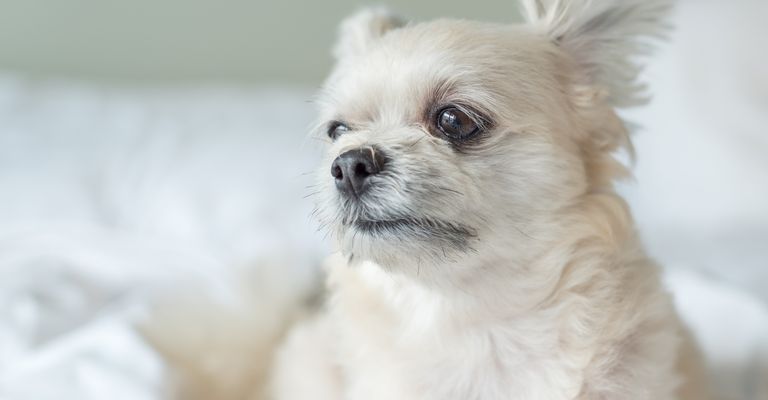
(501, 268)
(514, 270)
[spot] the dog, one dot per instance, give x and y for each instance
(483, 253)
(482, 250)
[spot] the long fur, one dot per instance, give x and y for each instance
(503, 267)
(605, 37)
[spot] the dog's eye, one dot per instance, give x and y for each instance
(456, 124)
(336, 129)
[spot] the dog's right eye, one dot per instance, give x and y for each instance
(456, 124)
(336, 129)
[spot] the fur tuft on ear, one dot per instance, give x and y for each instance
(359, 30)
(604, 38)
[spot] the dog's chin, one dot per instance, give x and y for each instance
(400, 240)
(415, 227)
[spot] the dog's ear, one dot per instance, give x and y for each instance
(603, 38)
(363, 28)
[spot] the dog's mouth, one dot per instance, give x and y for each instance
(420, 228)
(383, 225)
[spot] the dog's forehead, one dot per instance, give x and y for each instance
(412, 65)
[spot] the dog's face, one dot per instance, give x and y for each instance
(451, 142)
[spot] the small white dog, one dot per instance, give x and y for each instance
(483, 251)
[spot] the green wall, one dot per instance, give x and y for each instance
(193, 40)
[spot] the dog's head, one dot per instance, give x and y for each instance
(452, 141)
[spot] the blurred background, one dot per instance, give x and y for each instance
(234, 41)
(147, 144)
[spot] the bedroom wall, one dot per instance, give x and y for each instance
(181, 40)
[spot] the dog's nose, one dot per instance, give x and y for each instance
(352, 169)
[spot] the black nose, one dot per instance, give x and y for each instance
(352, 169)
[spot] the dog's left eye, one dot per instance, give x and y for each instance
(456, 124)
(336, 129)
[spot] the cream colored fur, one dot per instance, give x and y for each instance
(534, 285)
(556, 298)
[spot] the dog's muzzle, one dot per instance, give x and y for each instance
(353, 169)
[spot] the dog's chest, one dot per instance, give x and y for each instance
(416, 353)
(456, 371)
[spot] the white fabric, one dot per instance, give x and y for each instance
(106, 193)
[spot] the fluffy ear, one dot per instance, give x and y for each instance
(604, 38)
(363, 28)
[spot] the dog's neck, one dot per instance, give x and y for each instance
(547, 317)
(516, 278)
